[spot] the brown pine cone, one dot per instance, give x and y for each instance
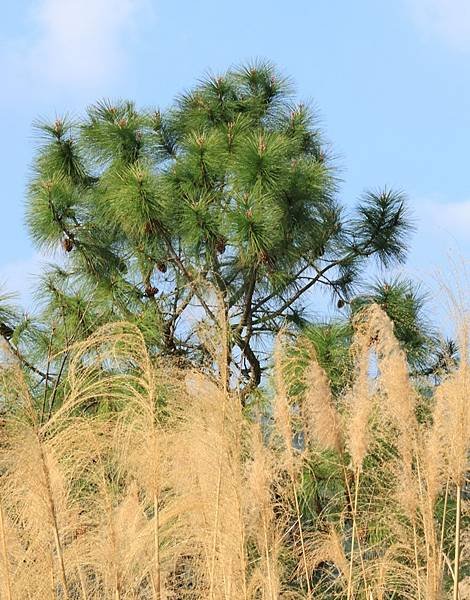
(6, 331)
(220, 245)
(151, 291)
(265, 258)
(161, 266)
(67, 244)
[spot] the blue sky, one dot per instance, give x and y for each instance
(390, 81)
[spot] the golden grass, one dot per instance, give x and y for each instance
(169, 491)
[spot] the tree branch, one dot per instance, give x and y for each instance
(297, 295)
(255, 369)
(24, 361)
(185, 272)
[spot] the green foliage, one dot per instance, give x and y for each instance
(404, 303)
(131, 201)
(228, 195)
(332, 343)
(51, 210)
(383, 226)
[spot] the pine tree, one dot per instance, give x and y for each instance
(225, 205)
(331, 341)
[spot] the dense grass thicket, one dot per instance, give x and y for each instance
(153, 482)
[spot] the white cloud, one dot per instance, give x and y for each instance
(452, 218)
(441, 235)
(447, 19)
(74, 44)
(82, 41)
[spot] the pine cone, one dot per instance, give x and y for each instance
(161, 266)
(265, 258)
(151, 291)
(67, 244)
(220, 245)
(340, 303)
(6, 331)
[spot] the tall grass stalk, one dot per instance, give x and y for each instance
(150, 482)
(353, 533)
(6, 567)
(457, 542)
(284, 424)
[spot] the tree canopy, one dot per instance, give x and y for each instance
(225, 205)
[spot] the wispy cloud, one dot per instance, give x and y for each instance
(73, 44)
(442, 232)
(82, 41)
(446, 19)
(452, 217)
